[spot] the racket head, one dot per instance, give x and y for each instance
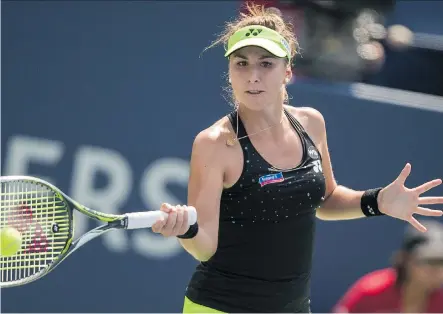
(44, 218)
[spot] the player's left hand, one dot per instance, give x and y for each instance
(398, 201)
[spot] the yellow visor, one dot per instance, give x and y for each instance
(260, 36)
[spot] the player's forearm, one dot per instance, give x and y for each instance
(342, 204)
(201, 247)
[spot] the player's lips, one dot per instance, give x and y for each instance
(254, 92)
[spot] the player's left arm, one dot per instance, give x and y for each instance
(342, 203)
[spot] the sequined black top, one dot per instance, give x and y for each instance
(266, 235)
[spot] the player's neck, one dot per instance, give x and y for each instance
(255, 121)
(414, 297)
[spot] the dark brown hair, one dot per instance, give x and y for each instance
(257, 14)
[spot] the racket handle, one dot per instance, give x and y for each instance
(140, 220)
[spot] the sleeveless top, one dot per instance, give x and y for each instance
(266, 235)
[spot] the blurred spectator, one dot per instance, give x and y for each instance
(413, 284)
(338, 39)
(352, 41)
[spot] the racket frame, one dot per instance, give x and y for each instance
(113, 222)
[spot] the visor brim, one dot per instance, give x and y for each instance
(264, 43)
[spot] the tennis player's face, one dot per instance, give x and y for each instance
(258, 77)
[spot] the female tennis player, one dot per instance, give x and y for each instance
(259, 178)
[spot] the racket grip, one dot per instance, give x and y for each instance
(140, 220)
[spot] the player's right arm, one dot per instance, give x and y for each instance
(204, 192)
(208, 160)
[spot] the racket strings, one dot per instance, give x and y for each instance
(42, 219)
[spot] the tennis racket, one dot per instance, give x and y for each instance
(44, 216)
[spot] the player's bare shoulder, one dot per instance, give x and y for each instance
(312, 121)
(211, 142)
(309, 117)
(216, 134)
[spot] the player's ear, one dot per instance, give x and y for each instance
(288, 74)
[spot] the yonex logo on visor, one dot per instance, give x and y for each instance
(254, 32)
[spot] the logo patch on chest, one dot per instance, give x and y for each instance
(312, 152)
(271, 178)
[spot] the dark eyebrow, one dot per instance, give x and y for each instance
(268, 57)
(238, 55)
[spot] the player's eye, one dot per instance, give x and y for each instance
(242, 63)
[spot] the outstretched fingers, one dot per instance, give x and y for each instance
(428, 200)
(428, 212)
(427, 186)
(414, 222)
(404, 174)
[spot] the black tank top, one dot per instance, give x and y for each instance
(266, 235)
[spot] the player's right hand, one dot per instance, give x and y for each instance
(175, 224)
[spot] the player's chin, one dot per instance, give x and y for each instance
(255, 104)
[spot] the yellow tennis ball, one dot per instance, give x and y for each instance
(11, 241)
